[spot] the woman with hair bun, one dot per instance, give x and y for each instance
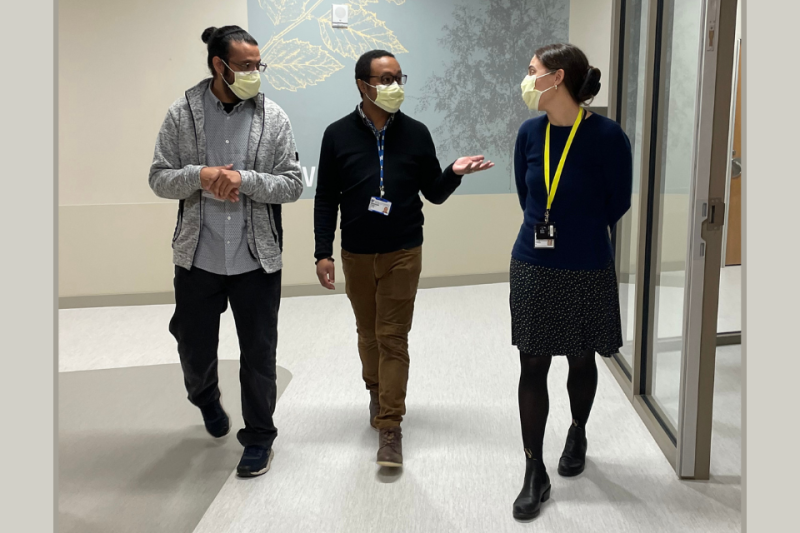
(573, 172)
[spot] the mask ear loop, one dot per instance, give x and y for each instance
(365, 94)
(222, 75)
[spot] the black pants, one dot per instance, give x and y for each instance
(201, 297)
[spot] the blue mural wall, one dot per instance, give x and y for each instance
(464, 59)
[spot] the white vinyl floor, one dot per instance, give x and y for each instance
(463, 455)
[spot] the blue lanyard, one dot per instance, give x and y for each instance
(381, 138)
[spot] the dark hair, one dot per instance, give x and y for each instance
(218, 41)
(581, 79)
(364, 64)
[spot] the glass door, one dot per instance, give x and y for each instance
(631, 110)
(682, 32)
(668, 100)
(729, 325)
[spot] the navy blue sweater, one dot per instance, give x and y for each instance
(593, 194)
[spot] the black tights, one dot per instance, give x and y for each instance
(534, 400)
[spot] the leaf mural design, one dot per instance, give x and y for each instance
(297, 64)
(280, 11)
(365, 32)
(491, 43)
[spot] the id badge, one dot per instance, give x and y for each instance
(545, 231)
(379, 205)
(545, 236)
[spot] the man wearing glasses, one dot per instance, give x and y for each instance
(373, 164)
(228, 155)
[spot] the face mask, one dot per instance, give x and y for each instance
(390, 97)
(530, 93)
(246, 84)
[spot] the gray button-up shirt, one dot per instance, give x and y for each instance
(222, 248)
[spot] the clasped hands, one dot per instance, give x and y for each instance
(222, 182)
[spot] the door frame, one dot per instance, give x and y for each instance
(713, 160)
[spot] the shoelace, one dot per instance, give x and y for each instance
(388, 439)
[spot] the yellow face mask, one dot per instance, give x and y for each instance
(530, 93)
(246, 84)
(390, 97)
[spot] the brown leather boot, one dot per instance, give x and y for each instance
(374, 408)
(390, 452)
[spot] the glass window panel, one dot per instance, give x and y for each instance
(635, 69)
(682, 34)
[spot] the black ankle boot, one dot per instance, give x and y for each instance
(573, 460)
(535, 491)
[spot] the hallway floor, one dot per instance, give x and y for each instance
(463, 454)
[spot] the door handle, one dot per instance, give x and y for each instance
(716, 214)
(736, 167)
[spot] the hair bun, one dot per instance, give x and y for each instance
(591, 84)
(208, 33)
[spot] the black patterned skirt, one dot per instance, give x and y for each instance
(564, 312)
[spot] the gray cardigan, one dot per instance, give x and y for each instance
(272, 175)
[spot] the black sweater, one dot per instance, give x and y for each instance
(349, 176)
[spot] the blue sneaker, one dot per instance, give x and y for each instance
(256, 461)
(217, 422)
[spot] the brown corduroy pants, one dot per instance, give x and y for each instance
(382, 289)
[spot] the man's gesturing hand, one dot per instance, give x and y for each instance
(471, 164)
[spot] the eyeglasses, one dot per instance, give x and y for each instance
(248, 67)
(387, 79)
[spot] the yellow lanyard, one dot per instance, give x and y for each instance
(551, 191)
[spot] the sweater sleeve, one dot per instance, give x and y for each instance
(619, 177)
(521, 167)
(284, 184)
(436, 186)
(168, 178)
(327, 198)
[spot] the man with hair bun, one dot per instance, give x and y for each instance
(228, 155)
